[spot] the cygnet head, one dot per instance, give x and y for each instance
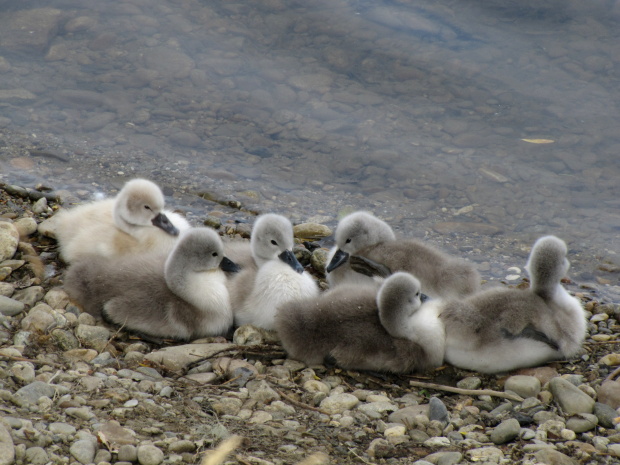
(199, 250)
(547, 264)
(272, 238)
(398, 299)
(141, 203)
(356, 231)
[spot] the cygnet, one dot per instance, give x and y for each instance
(132, 222)
(276, 278)
(376, 252)
(378, 327)
(181, 295)
(354, 232)
(503, 329)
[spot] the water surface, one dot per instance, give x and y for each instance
(478, 125)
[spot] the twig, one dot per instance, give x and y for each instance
(24, 359)
(112, 337)
(301, 404)
(361, 458)
(467, 392)
(612, 375)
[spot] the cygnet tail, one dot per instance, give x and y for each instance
(547, 265)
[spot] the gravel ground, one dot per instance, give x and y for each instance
(75, 391)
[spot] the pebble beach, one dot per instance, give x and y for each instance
(75, 391)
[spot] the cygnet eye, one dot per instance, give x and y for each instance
(274, 242)
(417, 294)
(348, 241)
(147, 207)
(214, 254)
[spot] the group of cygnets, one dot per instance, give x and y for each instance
(145, 269)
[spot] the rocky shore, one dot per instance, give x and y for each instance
(75, 391)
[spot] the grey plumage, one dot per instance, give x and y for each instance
(501, 329)
(344, 325)
(373, 242)
(182, 295)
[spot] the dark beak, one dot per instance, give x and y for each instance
(423, 298)
(338, 259)
(289, 258)
(162, 221)
(228, 265)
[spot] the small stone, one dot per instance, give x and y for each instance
(553, 457)
(397, 430)
(438, 411)
(182, 446)
(444, 458)
(25, 226)
(36, 456)
(582, 422)
(83, 450)
(31, 393)
(471, 382)
(261, 391)
(30, 295)
(380, 448)
(605, 415)
(376, 410)
(506, 431)
(524, 386)
(83, 413)
(56, 298)
(569, 397)
(9, 238)
(10, 307)
(23, 372)
(485, 454)
(407, 416)
(7, 449)
(95, 337)
(318, 260)
(339, 403)
(39, 318)
(150, 455)
(62, 428)
(610, 360)
(311, 231)
(313, 385)
(437, 441)
(128, 453)
(609, 393)
(249, 335)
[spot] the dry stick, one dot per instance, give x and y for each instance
(467, 392)
(301, 404)
(612, 375)
(24, 359)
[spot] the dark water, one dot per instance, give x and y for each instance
(477, 125)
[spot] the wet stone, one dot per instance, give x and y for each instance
(605, 414)
(29, 30)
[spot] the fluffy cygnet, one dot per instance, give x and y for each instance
(377, 252)
(181, 295)
(354, 232)
(504, 329)
(365, 327)
(276, 278)
(132, 222)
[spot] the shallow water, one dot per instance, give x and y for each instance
(477, 125)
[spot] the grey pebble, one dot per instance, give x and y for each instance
(7, 449)
(506, 431)
(127, 453)
(582, 422)
(95, 337)
(550, 456)
(150, 455)
(10, 307)
(525, 386)
(36, 456)
(605, 414)
(83, 451)
(471, 382)
(30, 295)
(438, 411)
(569, 397)
(31, 393)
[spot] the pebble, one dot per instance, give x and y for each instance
(150, 455)
(605, 414)
(582, 422)
(31, 393)
(506, 431)
(553, 457)
(609, 393)
(338, 403)
(437, 411)
(7, 449)
(83, 450)
(9, 238)
(524, 386)
(570, 399)
(10, 307)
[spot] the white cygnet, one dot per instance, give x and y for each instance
(132, 222)
(277, 277)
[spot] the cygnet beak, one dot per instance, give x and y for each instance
(228, 265)
(162, 221)
(289, 258)
(338, 259)
(423, 297)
